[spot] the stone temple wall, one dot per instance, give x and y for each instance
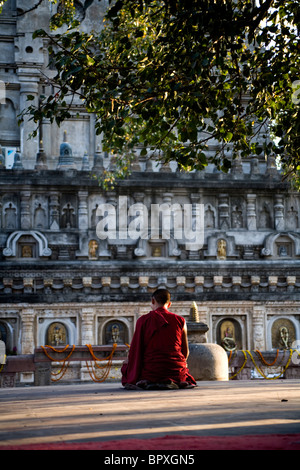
(61, 284)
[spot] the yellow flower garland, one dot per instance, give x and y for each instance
(261, 372)
(245, 361)
(263, 360)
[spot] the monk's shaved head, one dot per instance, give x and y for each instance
(162, 296)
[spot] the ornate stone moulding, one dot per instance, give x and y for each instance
(11, 245)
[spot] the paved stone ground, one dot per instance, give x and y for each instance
(102, 412)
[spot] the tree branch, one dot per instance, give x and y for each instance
(30, 9)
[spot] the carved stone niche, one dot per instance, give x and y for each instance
(27, 244)
(57, 334)
(114, 330)
(230, 332)
(282, 245)
(221, 246)
(283, 333)
(157, 248)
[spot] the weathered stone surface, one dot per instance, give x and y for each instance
(208, 362)
(53, 266)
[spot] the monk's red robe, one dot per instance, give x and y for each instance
(155, 352)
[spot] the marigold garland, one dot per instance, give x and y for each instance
(89, 346)
(261, 372)
(62, 371)
(263, 359)
(57, 350)
(58, 360)
(92, 372)
(94, 376)
(65, 366)
(107, 367)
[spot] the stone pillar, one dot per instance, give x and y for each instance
(27, 341)
(291, 281)
(199, 282)
(255, 171)
(54, 210)
(143, 282)
(224, 219)
(98, 161)
(237, 167)
(255, 282)
(236, 283)
(124, 283)
(271, 170)
(28, 283)
(273, 281)
(87, 326)
(87, 337)
(181, 282)
(41, 161)
(25, 210)
(197, 224)
(258, 328)
(203, 314)
(83, 219)
(279, 213)
(106, 282)
(251, 212)
(47, 141)
(28, 86)
(218, 281)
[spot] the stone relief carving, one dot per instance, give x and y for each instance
(11, 245)
(280, 245)
(10, 216)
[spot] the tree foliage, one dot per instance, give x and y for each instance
(169, 77)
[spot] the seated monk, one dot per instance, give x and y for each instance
(159, 350)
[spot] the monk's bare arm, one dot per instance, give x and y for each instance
(185, 344)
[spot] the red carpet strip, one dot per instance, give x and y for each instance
(257, 442)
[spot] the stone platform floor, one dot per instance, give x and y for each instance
(101, 412)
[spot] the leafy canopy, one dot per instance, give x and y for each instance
(170, 77)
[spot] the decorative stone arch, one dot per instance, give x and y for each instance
(57, 334)
(45, 324)
(270, 246)
(213, 243)
(42, 243)
(108, 335)
(146, 246)
(6, 334)
(277, 321)
(232, 329)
